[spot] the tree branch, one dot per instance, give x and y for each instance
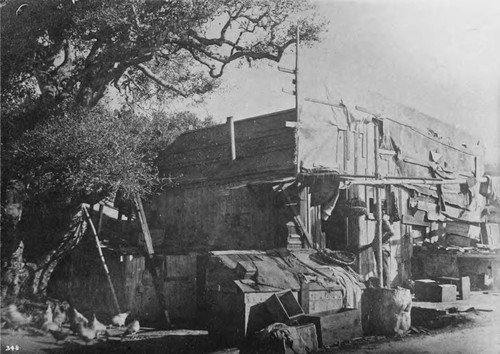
(146, 71)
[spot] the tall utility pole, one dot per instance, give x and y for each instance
(296, 71)
(295, 82)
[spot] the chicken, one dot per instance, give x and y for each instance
(15, 318)
(48, 316)
(76, 318)
(132, 328)
(87, 334)
(59, 316)
(97, 326)
(50, 326)
(119, 320)
(59, 334)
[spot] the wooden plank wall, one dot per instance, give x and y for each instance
(218, 218)
(179, 284)
(80, 278)
(265, 146)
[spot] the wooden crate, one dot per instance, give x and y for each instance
(463, 229)
(462, 284)
(315, 298)
(429, 290)
(283, 306)
(335, 326)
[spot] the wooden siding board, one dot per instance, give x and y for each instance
(217, 218)
(221, 152)
(256, 127)
(264, 145)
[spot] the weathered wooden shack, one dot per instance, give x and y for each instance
(276, 181)
(285, 175)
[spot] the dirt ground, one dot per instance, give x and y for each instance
(469, 332)
(474, 332)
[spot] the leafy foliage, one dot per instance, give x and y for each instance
(87, 155)
(175, 47)
(59, 56)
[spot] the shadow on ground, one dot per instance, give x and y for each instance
(167, 344)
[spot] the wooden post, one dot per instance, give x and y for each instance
(297, 99)
(157, 282)
(103, 261)
(144, 226)
(297, 42)
(99, 223)
(378, 200)
(230, 122)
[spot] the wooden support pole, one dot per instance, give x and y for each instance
(297, 42)
(157, 281)
(101, 214)
(407, 180)
(230, 122)
(103, 261)
(297, 98)
(378, 200)
(144, 226)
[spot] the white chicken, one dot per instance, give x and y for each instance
(119, 320)
(50, 326)
(132, 328)
(48, 316)
(97, 326)
(76, 318)
(15, 318)
(59, 316)
(85, 333)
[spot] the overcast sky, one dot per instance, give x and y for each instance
(440, 57)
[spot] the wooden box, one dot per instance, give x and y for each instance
(429, 290)
(459, 241)
(442, 293)
(335, 326)
(315, 298)
(463, 229)
(284, 306)
(462, 284)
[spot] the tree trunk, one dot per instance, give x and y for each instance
(29, 279)
(12, 247)
(97, 79)
(48, 262)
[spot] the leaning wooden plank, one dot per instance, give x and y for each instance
(144, 225)
(157, 281)
(106, 271)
